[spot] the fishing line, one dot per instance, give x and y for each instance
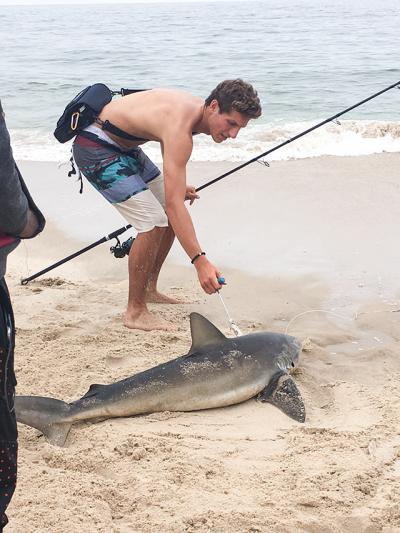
(232, 324)
(317, 311)
(26, 250)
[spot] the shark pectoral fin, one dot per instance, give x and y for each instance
(203, 332)
(282, 392)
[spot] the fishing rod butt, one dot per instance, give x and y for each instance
(112, 235)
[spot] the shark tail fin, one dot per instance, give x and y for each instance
(282, 392)
(45, 414)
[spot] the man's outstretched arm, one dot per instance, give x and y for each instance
(176, 152)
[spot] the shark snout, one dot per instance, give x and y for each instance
(295, 349)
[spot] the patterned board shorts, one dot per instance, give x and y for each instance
(120, 177)
(117, 176)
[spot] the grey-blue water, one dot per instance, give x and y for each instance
(308, 59)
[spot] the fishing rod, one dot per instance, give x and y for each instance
(120, 250)
(301, 134)
(123, 249)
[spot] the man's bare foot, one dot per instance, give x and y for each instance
(147, 322)
(158, 298)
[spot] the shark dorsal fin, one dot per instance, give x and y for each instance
(204, 333)
(93, 389)
(282, 392)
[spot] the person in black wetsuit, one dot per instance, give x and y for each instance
(19, 218)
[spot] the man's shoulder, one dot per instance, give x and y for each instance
(176, 97)
(182, 110)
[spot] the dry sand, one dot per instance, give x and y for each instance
(245, 468)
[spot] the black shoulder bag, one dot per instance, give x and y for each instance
(85, 108)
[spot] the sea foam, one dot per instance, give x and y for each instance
(349, 138)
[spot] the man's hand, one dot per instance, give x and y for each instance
(208, 275)
(191, 194)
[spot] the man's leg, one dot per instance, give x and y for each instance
(143, 263)
(153, 295)
(146, 213)
(157, 188)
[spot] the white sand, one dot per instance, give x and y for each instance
(307, 235)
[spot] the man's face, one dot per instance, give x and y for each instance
(225, 125)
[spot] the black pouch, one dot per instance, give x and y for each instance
(82, 111)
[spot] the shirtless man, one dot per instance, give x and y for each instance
(152, 203)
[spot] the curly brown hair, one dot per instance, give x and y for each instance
(236, 95)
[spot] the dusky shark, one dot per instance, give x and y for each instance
(217, 372)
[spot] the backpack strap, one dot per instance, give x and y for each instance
(125, 92)
(107, 126)
(73, 171)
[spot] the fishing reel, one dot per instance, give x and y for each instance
(121, 250)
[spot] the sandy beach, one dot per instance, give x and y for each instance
(308, 247)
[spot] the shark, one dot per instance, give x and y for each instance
(217, 371)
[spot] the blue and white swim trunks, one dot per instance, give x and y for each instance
(127, 179)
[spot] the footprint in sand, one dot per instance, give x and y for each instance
(116, 361)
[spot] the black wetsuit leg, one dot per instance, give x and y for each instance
(8, 425)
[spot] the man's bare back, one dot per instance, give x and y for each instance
(153, 114)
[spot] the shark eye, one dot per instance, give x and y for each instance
(292, 364)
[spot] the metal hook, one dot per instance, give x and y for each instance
(263, 162)
(336, 121)
(74, 120)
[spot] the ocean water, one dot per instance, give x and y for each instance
(308, 59)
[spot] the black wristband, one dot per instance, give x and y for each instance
(197, 256)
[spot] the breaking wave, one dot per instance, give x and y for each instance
(349, 138)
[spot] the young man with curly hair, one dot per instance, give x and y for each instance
(151, 202)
